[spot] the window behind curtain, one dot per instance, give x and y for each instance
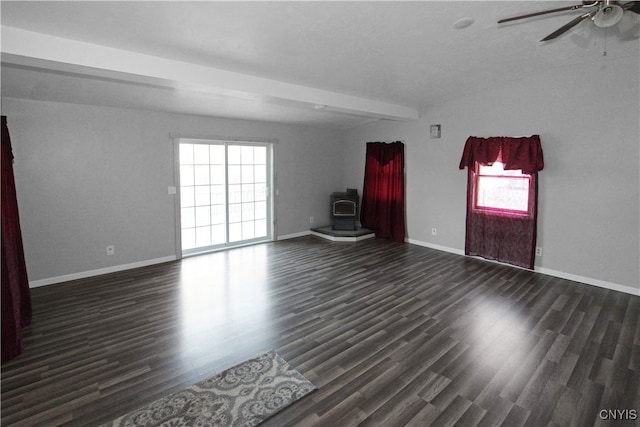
(502, 195)
(500, 191)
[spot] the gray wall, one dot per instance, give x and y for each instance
(88, 177)
(588, 118)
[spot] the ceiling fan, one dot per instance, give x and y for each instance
(602, 13)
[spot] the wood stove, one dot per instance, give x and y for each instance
(344, 209)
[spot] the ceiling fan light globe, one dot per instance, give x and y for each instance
(608, 16)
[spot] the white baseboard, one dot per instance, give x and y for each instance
(294, 235)
(91, 273)
(542, 270)
(589, 281)
(433, 246)
(116, 268)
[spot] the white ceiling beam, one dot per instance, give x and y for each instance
(41, 51)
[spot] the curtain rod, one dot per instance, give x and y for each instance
(177, 135)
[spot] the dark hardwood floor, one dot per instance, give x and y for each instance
(391, 334)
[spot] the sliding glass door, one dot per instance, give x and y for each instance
(225, 195)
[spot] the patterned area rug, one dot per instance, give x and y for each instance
(244, 395)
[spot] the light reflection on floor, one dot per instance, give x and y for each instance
(224, 302)
(500, 331)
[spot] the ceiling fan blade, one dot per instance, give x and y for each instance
(544, 12)
(568, 26)
(633, 6)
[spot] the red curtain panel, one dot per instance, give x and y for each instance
(383, 198)
(16, 297)
(504, 235)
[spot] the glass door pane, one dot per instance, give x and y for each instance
(224, 194)
(247, 192)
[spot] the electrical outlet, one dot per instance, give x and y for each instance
(434, 231)
(311, 219)
(538, 251)
(111, 250)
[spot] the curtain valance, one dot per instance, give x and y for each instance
(384, 152)
(515, 153)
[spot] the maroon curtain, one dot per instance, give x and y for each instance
(16, 297)
(502, 235)
(383, 194)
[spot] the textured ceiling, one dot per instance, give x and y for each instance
(403, 53)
